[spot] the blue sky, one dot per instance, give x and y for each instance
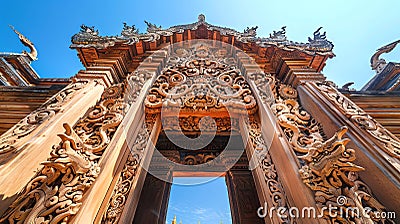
(207, 202)
(357, 28)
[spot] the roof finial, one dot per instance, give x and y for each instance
(174, 220)
(378, 64)
(202, 18)
(25, 41)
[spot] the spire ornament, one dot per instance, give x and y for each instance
(378, 64)
(25, 41)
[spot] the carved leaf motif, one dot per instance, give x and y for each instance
(300, 128)
(390, 143)
(275, 189)
(126, 177)
(200, 79)
(37, 117)
(55, 194)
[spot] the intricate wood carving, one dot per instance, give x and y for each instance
(329, 170)
(208, 124)
(275, 189)
(37, 117)
(297, 124)
(265, 85)
(331, 174)
(55, 194)
(200, 78)
(390, 143)
(126, 177)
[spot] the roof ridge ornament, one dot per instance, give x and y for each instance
(279, 35)
(151, 27)
(252, 32)
(317, 36)
(129, 30)
(316, 45)
(26, 42)
(89, 30)
(201, 18)
(378, 64)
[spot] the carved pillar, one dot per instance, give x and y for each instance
(377, 149)
(269, 149)
(129, 151)
(30, 141)
(309, 141)
(153, 202)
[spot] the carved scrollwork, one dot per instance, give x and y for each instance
(390, 143)
(299, 127)
(55, 194)
(331, 174)
(275, 189)
(329, 169)
(126, 177)
(265, 85)
(28, 124)
(190, 157)
(135, 83)
(193, 124)
(101, 122)
(200, 79)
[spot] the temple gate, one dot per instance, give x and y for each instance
(197, 100)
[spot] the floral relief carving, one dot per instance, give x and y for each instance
(193, 124)
(125, 179)
(331, 174)
(56, 193)
(390, 143)
(265, 84)
(201, 78)
(297, 124)
(275, 189)
(328, 167)
(37, 117)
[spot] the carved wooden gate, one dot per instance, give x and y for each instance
(186, 91)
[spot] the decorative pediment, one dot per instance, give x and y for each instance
(201, 77)
(88, 37)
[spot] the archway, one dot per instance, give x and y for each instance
(201, 97)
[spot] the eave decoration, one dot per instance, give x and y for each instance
(89, 37)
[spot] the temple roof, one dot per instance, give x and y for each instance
(387, 78)
(89, 37)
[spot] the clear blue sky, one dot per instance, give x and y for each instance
(207, 202)
(357, 28)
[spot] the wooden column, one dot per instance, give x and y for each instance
(333, 110)
(382, 169)
(27, 152)
(283, 159)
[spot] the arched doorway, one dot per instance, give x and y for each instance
(201, 97)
